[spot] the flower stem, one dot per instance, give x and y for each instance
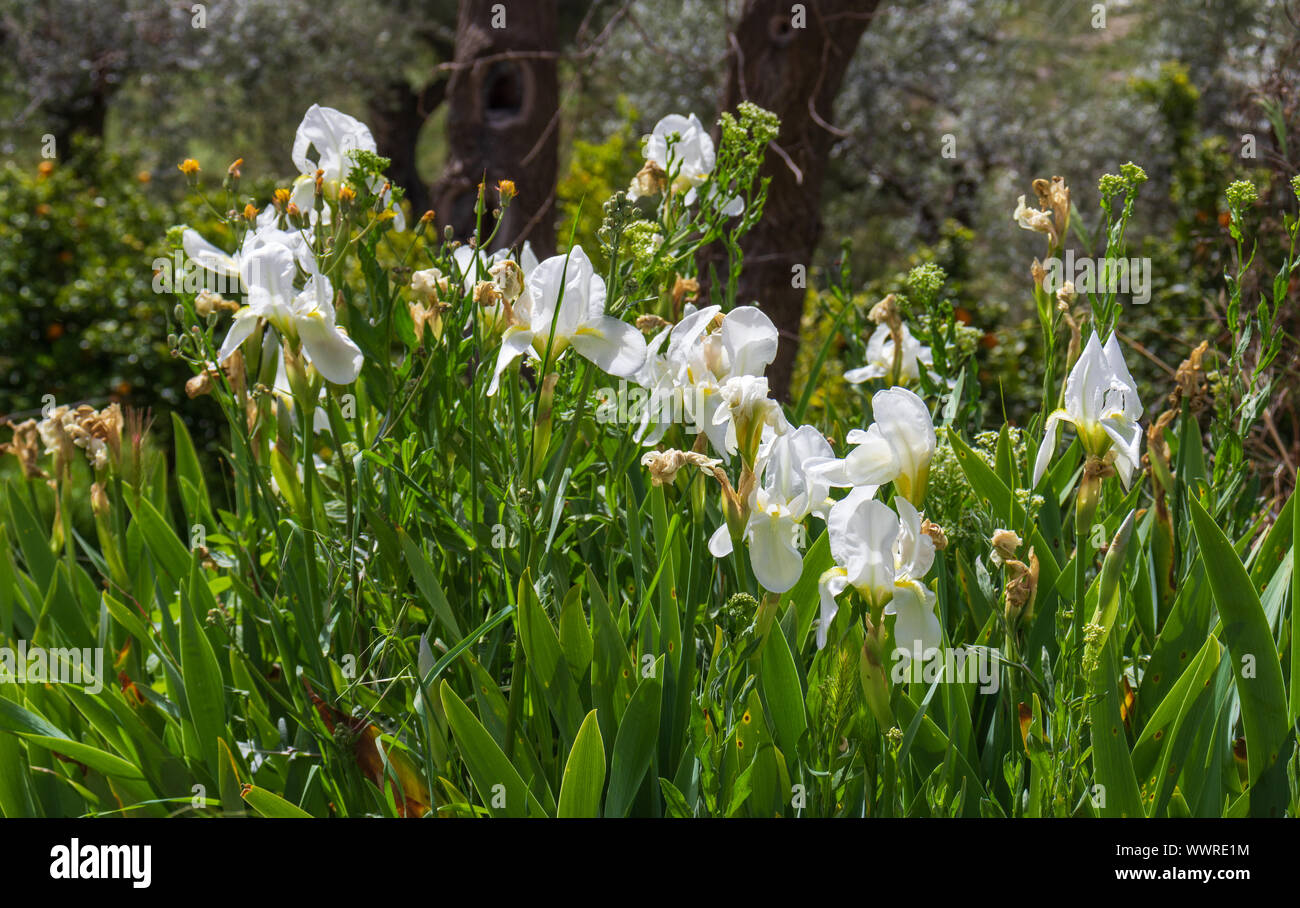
(1085, 511)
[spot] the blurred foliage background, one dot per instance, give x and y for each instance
(100, 100)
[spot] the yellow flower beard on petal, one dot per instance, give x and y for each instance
(832, 572)
(916, 587)
(1094, 439)
(875, 599)
(685, 182)
(284, 327)
(558, 345)
(913, 487)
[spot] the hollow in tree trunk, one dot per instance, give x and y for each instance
(503, 121)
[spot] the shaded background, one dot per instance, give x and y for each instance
(99, 100)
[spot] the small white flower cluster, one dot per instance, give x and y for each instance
(719, 361)
(1101, 402)
(881, 353)
(882, 552)
(276, 265)
(885, 553)
(562, 305)
(680, 158)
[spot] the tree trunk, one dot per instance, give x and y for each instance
(503, 121)
(397, 113)
(81, 115)
(791, 60)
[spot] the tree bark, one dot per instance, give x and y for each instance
(792, 65)
(397, 113)
(503, 121)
